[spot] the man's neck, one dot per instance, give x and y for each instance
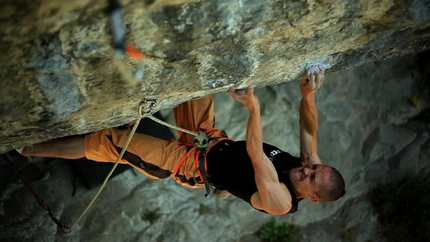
(298, 194)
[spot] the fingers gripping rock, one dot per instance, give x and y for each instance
(315, 70)
(240, 91)
(312, 78)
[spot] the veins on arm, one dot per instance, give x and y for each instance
(308, 130)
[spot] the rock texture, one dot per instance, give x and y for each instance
(368, 130)
(58, 76)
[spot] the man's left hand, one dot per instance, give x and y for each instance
(312, 79)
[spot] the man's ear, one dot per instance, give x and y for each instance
(313, 198)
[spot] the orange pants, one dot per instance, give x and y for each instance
(158, 158)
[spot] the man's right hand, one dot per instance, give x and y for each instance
(246, 97)
(312, 79)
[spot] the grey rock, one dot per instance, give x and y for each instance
(58, 77)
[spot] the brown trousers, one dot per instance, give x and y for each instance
(198, 114)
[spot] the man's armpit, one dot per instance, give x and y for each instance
(257, 203)
(312, 159)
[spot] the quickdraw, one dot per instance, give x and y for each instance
(120, 44)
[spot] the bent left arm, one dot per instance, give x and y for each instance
(272, 195)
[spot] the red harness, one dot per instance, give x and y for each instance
(200, 161)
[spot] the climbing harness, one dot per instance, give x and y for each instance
(200, 159)
(202, 166)
(200, 141)
(30, 189)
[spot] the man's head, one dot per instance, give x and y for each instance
(318, 183)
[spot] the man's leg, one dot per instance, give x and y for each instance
(194, 115)
(66, 148)
(156, 158)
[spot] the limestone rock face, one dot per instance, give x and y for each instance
(58, 77)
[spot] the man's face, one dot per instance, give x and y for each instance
(308, 179)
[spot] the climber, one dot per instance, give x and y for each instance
(269, 179)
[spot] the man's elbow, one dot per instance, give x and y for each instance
(310, 158)
(305, 157)
(279, 210)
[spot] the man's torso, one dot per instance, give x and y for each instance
(230, 168)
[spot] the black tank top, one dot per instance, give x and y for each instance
(230, 168)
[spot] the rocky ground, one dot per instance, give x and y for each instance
(369, 130)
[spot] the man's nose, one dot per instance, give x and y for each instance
(308, 170)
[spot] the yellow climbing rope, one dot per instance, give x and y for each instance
(200, 139)
(130, 136)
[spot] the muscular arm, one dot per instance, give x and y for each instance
(311, 80)
(308, 130)
(272, 196)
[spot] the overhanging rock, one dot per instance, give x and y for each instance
(58, 77)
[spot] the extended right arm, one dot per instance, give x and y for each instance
(272, 195)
